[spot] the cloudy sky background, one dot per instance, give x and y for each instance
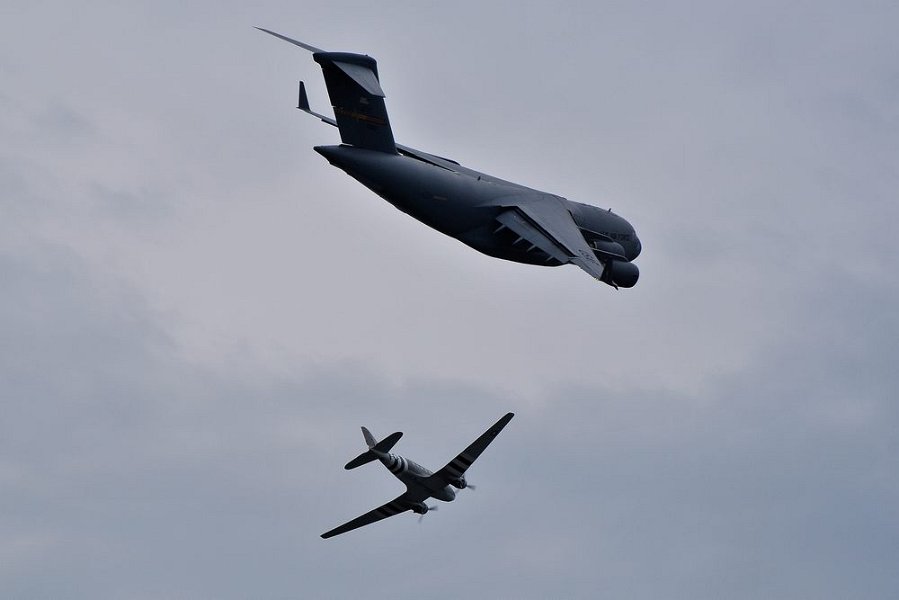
(198, 312)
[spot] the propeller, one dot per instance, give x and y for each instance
(422, 515)
(469, 486)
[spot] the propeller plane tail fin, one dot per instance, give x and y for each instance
(369, 438)
(374, 448)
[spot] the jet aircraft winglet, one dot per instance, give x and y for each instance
(304, 45)
(496, 217)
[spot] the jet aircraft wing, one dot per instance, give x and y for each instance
(457, 467)
(546, 223)
(396, 506)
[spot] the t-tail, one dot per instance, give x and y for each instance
(356, 95)
(375, 450)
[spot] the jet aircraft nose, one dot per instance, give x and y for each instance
(637, 247)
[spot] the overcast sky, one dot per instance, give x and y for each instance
(198, 312)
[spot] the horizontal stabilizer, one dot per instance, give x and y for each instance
(364, 458)
(305, 46)
(389, 442)
(303, 105)
(364, 76)
(303, 102)
(374, 448)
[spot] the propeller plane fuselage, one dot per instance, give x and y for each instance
(417, 477)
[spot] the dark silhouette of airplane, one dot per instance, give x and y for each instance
(499, 218)
(421, 484)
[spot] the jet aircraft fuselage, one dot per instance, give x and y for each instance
(497, 217)
(464, 203)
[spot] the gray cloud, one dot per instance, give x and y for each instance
(186, 482)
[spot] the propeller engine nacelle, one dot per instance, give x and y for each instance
(420, 509)
(620, 274)
(459, 483)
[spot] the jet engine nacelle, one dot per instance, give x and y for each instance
(420, 508)
(620, 274)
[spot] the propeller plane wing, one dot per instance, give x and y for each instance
(396, 506)
(454, 471)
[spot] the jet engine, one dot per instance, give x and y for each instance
(620, 274)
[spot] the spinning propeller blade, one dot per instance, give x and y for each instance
(422, 516)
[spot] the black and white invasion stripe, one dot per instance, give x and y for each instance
(390, 509)
(396, 464)
(458, 466)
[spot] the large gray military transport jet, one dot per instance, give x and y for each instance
(421, 484)
(499, 218)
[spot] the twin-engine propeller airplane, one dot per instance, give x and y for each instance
(421, 484)
(499, 218)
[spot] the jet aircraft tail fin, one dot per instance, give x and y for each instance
(387, 443)
(374, 448)
(358, 100)
(356, 95)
